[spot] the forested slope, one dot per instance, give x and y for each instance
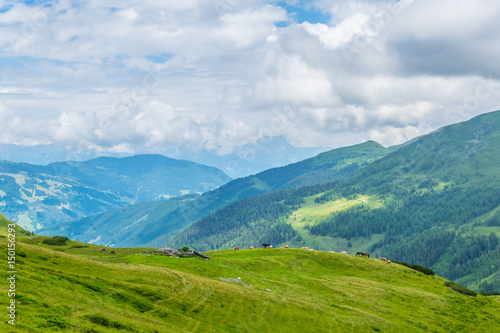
(434, 202)
(153, 223)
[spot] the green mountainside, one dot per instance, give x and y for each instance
(151, 224)
(434, 202)
(74, 287)
(40, 196)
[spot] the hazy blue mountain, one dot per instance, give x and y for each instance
(153, 223)
(246, 160)
(44, 154)
(39, 196)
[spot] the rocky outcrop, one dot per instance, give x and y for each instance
(168, 251)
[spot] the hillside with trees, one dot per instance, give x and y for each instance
(434, 202)
(151, 224)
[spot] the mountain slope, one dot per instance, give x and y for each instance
(137, 226)
(77, 288)
(39, 196)
(434, 202)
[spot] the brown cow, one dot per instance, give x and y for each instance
(251, 248)
(112, 252)
(360, 254)
(236, 248)
(304, 248)
(366, 255)
(388, 261)
(384, 259)
(103, 249)
(286, 247)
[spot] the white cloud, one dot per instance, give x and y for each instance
(86, 74)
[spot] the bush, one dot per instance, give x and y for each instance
(142, 305)
(489, 293)
(185, 249)
(100, 319)
(419, 268)
(53, 322)
(460, 289)
(56, 240)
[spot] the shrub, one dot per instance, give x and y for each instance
(460, 289)
(52, 321)
(56, 240)
(142, 305)
(489, 293)
(185, 249)
(419, 268)
(100, 319)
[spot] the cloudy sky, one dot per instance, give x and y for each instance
(141, 75)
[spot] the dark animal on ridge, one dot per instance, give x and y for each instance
(360, 254)
(267, 246)
(112, 252)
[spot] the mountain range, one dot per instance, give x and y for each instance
(39, 196)
(153, 223)
(244, 160)
(434, 201)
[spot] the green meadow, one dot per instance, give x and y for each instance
(77, 288)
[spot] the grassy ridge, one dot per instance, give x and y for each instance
(77, 288)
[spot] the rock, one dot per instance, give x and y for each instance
(179, 253)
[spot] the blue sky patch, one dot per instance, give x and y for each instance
(304, 12)
(160, 58)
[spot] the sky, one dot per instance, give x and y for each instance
(138, 76)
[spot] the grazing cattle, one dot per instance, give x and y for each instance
(112, 252)
(286, 247)
(343, 252)
(267, 246)
(305, 248)
(103, 249)
(311, 249)
(388, 261)
(236, 248)
(366, 255)
(360, 254)
(251, 247)
(384, 259)
(332, 252)
(215, 250)
(128, 251)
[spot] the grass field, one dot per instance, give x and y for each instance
(77, 288)
(311, 213)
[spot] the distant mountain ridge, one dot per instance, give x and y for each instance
(153, 223)
(245, 160)
(37, 196)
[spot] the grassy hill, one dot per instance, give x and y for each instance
(434, 202)
(76, 288)
(151, 224)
